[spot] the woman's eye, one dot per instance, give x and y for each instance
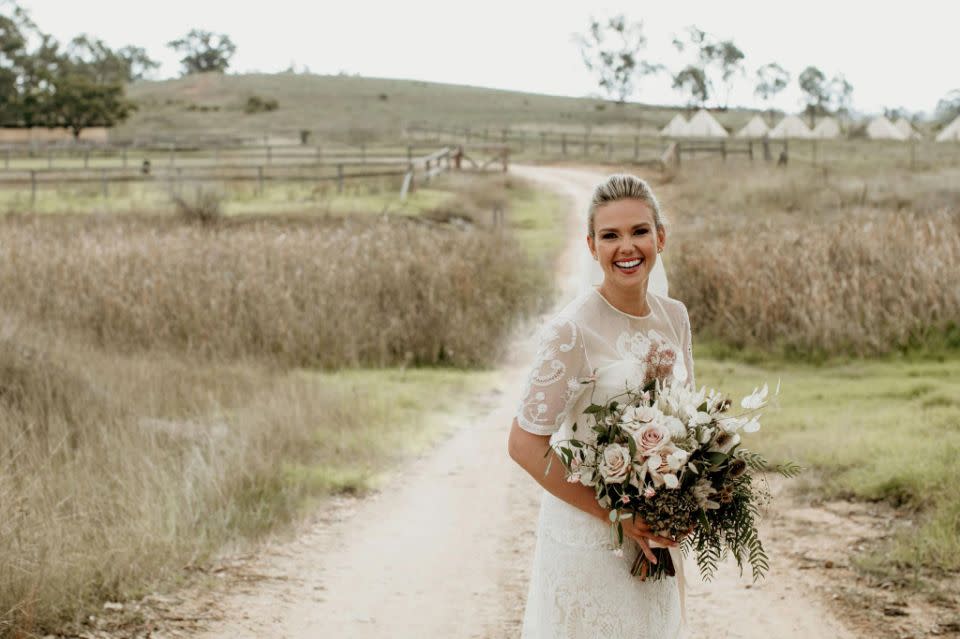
(609, 236)
(640, 232)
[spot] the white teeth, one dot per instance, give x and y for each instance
(629, 264)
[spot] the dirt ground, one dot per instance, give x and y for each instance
(443, 550)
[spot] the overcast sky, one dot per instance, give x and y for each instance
(905, 57)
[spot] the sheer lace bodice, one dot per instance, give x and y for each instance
(579, 588)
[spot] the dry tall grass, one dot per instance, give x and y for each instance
(119, 471)
(152, 408)
(809, 266)
(327, 293)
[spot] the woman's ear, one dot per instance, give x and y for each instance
(661, 238)
(590, 245)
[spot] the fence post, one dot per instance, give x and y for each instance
(813, 151)
(563, 142)
(33, 190)
(766, 149)
(104, 185)
(723, 149)
(260, 180)
(913, 154)
(750, 149)
(409, 154)
(340, 177)
(86, 158)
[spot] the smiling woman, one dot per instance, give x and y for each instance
(600, 337)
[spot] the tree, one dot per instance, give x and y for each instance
(81, 102)
(204, 51)
(139, 64)
(616, 64)
(948, 107)
(813, 83)
(713, 57)
(107, 66)
(840, 94)
(771, 80)
(693, 81)
(729, 59)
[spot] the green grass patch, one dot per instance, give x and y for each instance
(878, 430)
(382, 417)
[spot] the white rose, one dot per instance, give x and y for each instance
(615, 464)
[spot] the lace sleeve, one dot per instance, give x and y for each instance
(554, 381)
(687, 336)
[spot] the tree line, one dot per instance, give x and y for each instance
(81, 84)
(613, 50)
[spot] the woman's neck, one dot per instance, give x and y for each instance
(632, 301)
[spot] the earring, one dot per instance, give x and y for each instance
(595, 257)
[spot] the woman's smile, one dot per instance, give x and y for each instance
(629, 266)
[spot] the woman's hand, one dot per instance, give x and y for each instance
(637, 530)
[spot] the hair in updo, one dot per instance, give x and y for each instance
(623, 186)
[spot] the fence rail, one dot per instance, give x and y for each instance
(637, 148)
(378, 164)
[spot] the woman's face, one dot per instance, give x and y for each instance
(625, 242)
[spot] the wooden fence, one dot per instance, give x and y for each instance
(651, 150)
(340, 166)
(172, 175)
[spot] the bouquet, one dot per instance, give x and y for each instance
(672, 456)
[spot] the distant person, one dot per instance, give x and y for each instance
(145, 167)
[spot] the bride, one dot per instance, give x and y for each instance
(580, 588)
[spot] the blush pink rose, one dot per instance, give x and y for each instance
(651, 438)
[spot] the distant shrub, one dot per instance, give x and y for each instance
(257, 104)
(204, 207)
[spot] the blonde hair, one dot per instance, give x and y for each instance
(623, 186)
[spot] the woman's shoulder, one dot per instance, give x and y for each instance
(569, 320)
(672, 308)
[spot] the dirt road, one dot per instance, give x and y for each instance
(444, 551)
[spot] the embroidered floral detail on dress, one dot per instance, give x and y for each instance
(555, 357)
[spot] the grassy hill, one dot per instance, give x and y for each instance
(355, 109)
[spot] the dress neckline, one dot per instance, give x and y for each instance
(614, 308)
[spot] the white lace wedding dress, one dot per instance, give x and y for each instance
(579, 589)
